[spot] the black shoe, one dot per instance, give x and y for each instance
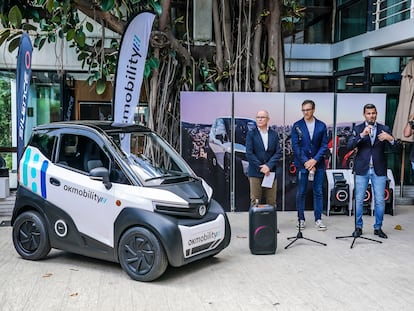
(357, 232)
(380, 233)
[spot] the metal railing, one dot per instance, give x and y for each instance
(388, 12)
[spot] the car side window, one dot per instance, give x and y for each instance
(81, 153)
(220, 131)
(45, 143)
(69, 154)
(84, 154)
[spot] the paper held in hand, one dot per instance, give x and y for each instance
(268, 180)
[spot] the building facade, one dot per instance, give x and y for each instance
(339, 46)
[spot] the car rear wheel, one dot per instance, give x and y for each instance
(30, 237)
(141, 255)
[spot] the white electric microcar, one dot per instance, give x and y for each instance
(117, 193)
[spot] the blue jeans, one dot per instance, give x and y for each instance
(302, 182)
(378, 186)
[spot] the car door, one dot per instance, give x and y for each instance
(218, 140)
(89, 204)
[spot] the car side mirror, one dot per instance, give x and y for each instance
(101, 173)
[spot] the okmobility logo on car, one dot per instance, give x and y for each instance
(86, 193)
(33, 176)
(204, 238)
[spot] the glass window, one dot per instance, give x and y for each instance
(351, 20)
(315, 26)
(308, 84)
(393, 11)
(95, 111)
(45, 143)
(350, 62)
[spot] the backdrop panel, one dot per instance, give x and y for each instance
(350, 112)
(245, 107)
(214, 127)
(200, 112)
(324, 111)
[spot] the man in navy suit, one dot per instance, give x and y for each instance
(370, 138)
(263, 153)
(310, 143)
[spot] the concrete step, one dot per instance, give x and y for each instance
(7, 204)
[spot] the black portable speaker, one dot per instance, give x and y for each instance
(262, 229)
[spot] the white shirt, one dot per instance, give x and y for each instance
(311, 127)
(265, 138)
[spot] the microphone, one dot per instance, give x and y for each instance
(371, 132)
(299, 132)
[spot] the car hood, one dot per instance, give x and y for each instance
(237, 147)
(191, 191)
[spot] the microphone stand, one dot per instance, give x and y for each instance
(300, 236)
(356, 234)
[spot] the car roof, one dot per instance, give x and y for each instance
(100, 126)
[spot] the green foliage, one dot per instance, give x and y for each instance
(206, 77)
(266, 70)
(15, 17)
(5, 116)
(60, 19)
(151, 64)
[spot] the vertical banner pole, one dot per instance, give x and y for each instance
(233, 157)
(402, 170)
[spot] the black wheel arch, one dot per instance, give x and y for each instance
(163, 227)
(25, 203)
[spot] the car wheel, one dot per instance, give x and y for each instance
(30, 237)
(212, 161)
(141, 255)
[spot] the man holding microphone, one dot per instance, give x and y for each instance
(370, 138)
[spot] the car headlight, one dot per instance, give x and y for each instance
(202, 210)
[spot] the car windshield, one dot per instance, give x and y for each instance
(241, 127)
(152, 159)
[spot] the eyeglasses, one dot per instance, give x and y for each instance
(306, 110)
(261, 117)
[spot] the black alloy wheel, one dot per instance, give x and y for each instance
(30, 237)
(141, 255)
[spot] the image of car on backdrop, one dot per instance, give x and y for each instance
(220, 155)
(344, 157)
(119, 193)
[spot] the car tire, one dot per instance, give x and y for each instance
(141, 255)
(30, 236)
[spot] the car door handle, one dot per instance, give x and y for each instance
(54, 181)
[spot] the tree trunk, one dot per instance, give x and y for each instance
(219, 44)
(256, 47)
(274, 30)
(227, 37)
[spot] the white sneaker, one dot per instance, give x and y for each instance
(301, 224)
(320, 226)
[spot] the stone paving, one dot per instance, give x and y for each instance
(306, 276)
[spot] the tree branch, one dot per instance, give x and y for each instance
(94, 12)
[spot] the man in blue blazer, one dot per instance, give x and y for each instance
(310, 143)
(263, 152)
(370, 138)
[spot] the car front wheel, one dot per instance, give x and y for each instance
(141, 255)
(30, 237)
